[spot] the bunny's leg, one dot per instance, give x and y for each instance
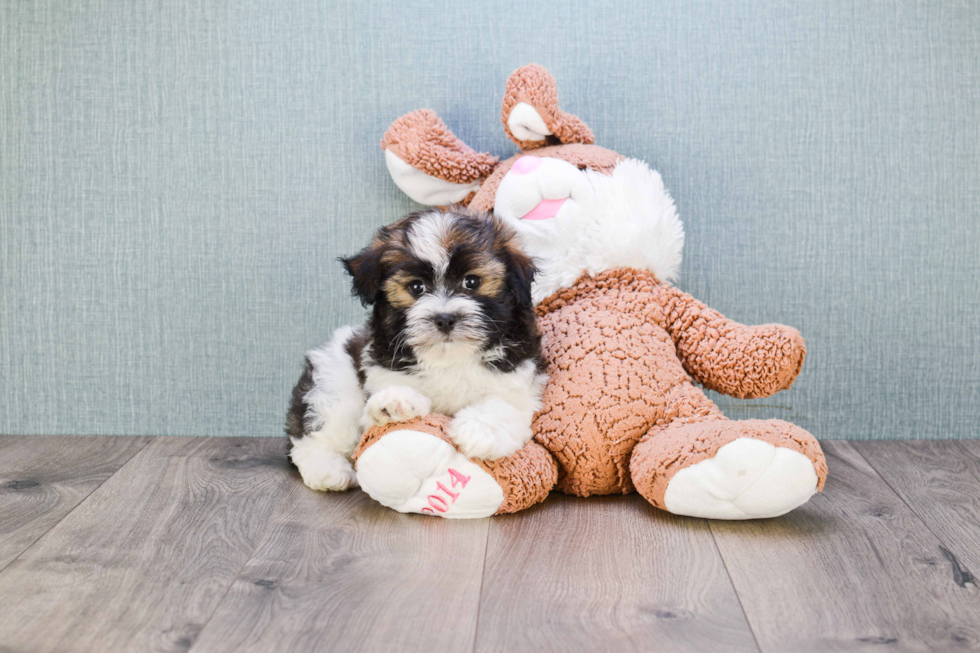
(414, 467)
(701, 464)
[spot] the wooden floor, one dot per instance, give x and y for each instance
(206, 544)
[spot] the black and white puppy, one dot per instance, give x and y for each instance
(451, 329)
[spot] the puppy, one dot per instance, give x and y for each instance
(451, 329)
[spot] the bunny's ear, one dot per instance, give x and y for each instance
(429, 163)
(531, 115)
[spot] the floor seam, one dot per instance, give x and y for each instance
(731, 581)
(483, 575)
(149, 440)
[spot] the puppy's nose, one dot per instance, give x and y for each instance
(525, 165)
(445, 321)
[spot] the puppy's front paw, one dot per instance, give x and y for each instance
(489, 431)
(474, 441)
(397, 403)
(321, 468)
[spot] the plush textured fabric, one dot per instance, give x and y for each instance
(739, 361)
(666, 450)
(423, 141)
(535, 86)
(525, 477)
(616, 375)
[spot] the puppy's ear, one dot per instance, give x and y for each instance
(520, 275)
(520, 266)
(365, 271)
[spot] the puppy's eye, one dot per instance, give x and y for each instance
(471, 282)
(416, 288)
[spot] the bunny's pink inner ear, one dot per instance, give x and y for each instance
(531, 115)
(429, 163)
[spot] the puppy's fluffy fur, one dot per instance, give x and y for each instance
(451, 329)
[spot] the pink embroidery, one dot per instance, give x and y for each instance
(458, 477)
(454, 495)
(437, 503)
(433, 498)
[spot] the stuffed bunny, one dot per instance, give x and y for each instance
(626, 351)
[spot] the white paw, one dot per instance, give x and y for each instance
(321, 468)
(396, 403)
(490, 430)
(412, 471)
(746, 479)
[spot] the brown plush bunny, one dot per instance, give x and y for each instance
(626, 350)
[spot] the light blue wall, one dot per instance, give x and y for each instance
(177, 178)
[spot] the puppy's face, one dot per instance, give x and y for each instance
(444, 285)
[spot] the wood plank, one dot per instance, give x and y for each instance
(43, 478)
(852, 570)
(940, 481)
(339, 572)
(610, 574)
(145, 560)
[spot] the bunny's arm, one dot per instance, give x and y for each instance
(737, 360)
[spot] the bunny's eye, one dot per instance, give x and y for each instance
(416, 287)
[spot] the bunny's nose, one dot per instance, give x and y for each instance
(525, 164)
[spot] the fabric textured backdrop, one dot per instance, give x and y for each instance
(177, 179)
